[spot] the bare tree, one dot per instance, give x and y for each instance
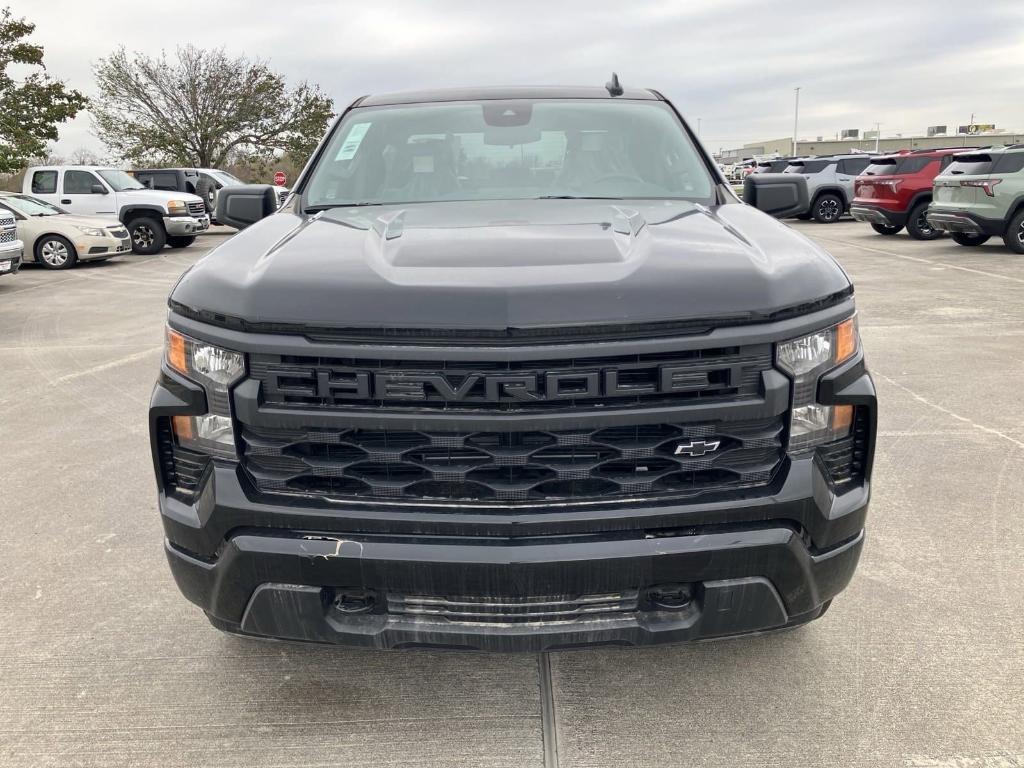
(85, 156)
(201, 107)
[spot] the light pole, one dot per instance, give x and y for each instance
(796, 118)
(878, 135)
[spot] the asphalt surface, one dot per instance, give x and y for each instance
(919, 663)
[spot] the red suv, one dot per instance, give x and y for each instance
(893, 192)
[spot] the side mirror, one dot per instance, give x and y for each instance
(241, 206)
(98, 189)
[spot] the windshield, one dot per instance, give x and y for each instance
(30, 206)
(970, 165)
(808, 166)
(120, 181)
(226, 179)
(508, 150)
(881, 167)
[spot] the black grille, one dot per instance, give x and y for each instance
(846, 459)
(181, 468)
(503, 467)
(197, 208)
(515, 610)
(615, 382)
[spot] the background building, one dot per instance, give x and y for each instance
(828, 146)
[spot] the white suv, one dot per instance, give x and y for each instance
(153, 218)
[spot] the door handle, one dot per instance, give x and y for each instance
(66, 201)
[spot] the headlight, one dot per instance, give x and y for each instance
(806, 359)
(176, 206)
(216, 369)
(91, 231)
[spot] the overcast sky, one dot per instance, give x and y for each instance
(734, 64)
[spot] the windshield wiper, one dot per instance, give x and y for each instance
(329, 206)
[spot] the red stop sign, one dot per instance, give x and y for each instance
(280, 179)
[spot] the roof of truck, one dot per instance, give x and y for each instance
(502, 93)
(74, 168)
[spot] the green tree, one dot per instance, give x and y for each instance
(31, 109)
(203, 107)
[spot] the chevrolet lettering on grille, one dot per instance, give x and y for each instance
(333, 385)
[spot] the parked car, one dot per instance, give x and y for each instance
(458, 394)
(56, 239)
(980, 195)
(203, 182)
(743, 169)
(154, 218)
(821, 188)
(11, 248)
(894, 191)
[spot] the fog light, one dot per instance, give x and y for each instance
(354, 602)
(670, 597)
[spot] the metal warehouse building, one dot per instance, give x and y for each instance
(891, 144)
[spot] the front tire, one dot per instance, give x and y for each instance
(180, 241)
(969, 240)
(918, 226)
(827, 209)
(147, 234)
(55, 252)
(1014, 237)
(885, 229)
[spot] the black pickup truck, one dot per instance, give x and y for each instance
(512, 369)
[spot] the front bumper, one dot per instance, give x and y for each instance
(183, 226)
(300, 587)
(962, 221)
(90, 247)
(875, 214)
(11, 257)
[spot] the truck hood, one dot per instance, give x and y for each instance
(510, 264)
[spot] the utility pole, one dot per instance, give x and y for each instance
(796, 118)
(878, 135)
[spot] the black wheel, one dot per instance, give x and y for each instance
(1014, 237)
(885, 229)
(963, 238)
(207, 189)
(827, 209)
(55, 252)
(180, 241)
(918, 226)
(147, 234)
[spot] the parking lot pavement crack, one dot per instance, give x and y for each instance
(106, 366)
(946, 411)
(920, 260)
(549, 724)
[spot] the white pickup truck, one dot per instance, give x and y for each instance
(10, 246)
(153, 218)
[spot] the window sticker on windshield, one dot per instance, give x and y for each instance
(351, 143)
